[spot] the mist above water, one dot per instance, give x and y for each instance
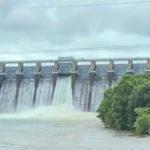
(62, 112)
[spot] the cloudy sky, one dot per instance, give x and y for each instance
(59, 28)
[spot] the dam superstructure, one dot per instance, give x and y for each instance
(28, 84)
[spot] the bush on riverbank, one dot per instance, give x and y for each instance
(142, 123)
(118, 107)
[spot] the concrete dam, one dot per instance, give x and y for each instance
(76, 82)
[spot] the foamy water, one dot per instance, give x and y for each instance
(63, 112)
(63, 128)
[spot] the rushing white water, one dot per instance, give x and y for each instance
(7, 96)
(63, 91)
(81, 94)
(44, 92)
(63, 112)
(26, 93)
(97, 93)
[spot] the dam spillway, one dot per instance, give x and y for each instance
(81, 83)
(63, 91)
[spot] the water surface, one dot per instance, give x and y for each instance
(62, 128)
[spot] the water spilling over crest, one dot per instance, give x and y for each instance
(81, 94)
(44, 92)
(7, 96)
(26, 93)
(63, 91)
(62, 103)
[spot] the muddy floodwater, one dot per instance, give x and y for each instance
(50, 128)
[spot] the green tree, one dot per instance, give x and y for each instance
(142, 123)
(117, 108)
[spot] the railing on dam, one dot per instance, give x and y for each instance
(69, 65)
(89, 79)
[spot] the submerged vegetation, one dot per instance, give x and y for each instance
(126, 106)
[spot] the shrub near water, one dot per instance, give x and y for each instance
(120, 101)
(142, 123)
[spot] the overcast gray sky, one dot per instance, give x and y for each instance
(73, 27)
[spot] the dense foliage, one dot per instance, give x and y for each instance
(118, 107)
(142, 123)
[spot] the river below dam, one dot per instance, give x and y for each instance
(63, 128)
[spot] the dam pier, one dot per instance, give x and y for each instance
(32, 83)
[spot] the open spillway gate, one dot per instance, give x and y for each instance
(27, 84)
